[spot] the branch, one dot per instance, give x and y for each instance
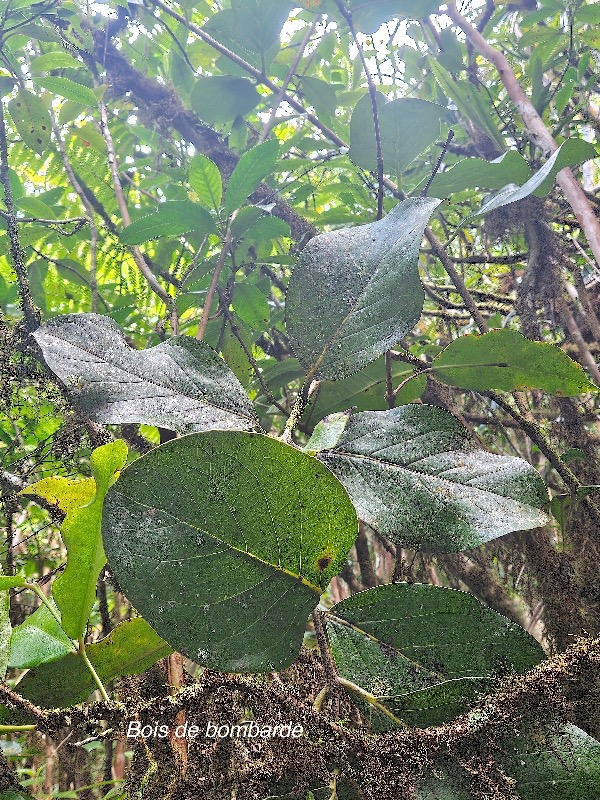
(536, 129)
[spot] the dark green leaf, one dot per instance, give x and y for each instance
(38, 640)
(32, 120)
(356, 292)
(221, 98)
(131, 648)
(250, 170)
(425, 651)
(407, 126)
(180, 384)
(472, 362)
(414, 475)
(251, 305)
(174, 218)
(225, 541)
(364, 391)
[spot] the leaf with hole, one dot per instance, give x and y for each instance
(504, 359)
(75, 589)
(407, 126)
(415, 475)
(180, 384)
(130, 649)
(32, 120)
(224, 541)
(425, 652)
(356, 292)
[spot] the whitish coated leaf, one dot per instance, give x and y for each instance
(356, 292)
(571, 152)
(180, 384)
(560, 764)
(75, 589)
(224, 541)
(414, 475)
(5, 632)
(38, 640)
(131, 648)
(471, 362)
(425, 651)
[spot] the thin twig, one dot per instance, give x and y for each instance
(215, 279)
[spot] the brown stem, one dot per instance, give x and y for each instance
(215, 279)
(361, 545)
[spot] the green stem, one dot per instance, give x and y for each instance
(90, 666)
(16, 728)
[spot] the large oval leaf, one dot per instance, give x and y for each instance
(472, 362)
(173, 218)
(180, 384)
(224, 541)
(414, 474)
(425, 651)
(356, 292)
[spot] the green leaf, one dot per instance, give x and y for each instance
(407, 127)
(75, 589)
(467, 362)
(205, 180)
(425, 651)
(369, 15)
(472, 173)
(57, 59)
(571, 152)
(251, 305)
(356, 292)
(221, 98)
(32, 120)
(11, 582)
(70, 90)
(250, 170)
(414, 475)
(364, 391)
(131, 648)
(173, 218)
(225, 541)
(470, 101)
(258, 23)
(327, 432)
(562, 766)
(320, 94)
(180, 384)
(38, 640)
